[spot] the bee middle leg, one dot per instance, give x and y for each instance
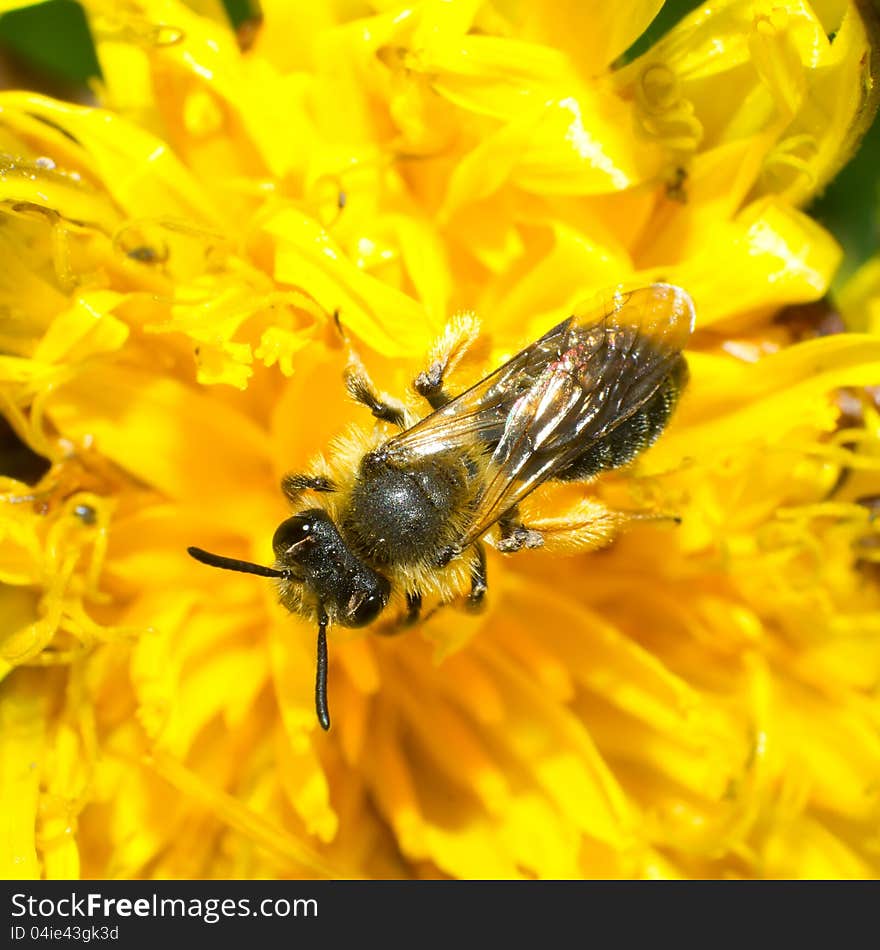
(361, 388)
(476, 599)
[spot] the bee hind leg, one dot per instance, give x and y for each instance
(515, 535)
(429, 385)
(588, 526)
(445, 355)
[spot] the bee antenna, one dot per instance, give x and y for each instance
(233, 564)
(321, 678)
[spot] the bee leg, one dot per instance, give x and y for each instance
(589, 525)
(413, 608)
(515, 535)
(293, 484)
(361, 388)
(409, 619)
(429, 385)
(444, 357)
(476, 599)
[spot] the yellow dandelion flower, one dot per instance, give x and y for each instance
(696, 700)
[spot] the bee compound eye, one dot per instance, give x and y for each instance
(291, 532)
(367, 609)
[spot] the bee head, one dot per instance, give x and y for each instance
(320, 577)
(310, 547)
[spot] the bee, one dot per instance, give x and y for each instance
(396, 518)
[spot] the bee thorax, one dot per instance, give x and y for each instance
(405, 515)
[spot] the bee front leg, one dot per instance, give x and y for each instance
(475, 600)
(294, 484)
(404, 621)
(445, 355)
(413, 608)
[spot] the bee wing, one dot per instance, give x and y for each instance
(609, 365)
(479, 415)
(568, 390)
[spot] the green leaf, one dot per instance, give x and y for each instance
(51, 38)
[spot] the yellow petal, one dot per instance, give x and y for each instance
(177, 428)
(21, 758)
(775, 256)
(306, 256)
(592, 36)
(138, 170)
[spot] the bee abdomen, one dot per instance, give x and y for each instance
(632, 436)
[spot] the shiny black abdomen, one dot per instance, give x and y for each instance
(630, 437)
(404, 515)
